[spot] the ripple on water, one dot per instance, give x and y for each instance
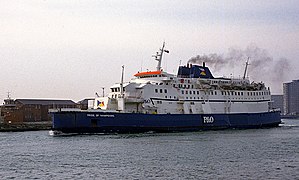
(231, 154)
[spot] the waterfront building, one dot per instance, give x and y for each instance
(291, 97)
(277, 102)
(20, 111)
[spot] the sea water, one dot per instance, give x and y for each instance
(271, 153)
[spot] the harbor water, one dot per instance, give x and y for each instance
(271, 153)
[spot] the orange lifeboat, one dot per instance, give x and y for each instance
(148, 73)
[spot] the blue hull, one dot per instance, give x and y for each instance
(104, 122)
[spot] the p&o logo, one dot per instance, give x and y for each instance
(208, 119)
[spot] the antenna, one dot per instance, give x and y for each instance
(158, 56)
(122, 82)
(246, 66)
(103, 88)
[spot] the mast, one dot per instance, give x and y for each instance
(122, 82)
(121, 101)
(246, 66)
(158, 56)
(103, 88)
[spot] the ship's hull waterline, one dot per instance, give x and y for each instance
(109, 122)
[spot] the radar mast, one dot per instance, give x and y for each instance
(246, 66)
(158, 56)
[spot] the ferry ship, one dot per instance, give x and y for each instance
(157, 101)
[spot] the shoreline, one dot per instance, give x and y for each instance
(25, 127)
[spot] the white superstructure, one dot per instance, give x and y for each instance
(192, 91)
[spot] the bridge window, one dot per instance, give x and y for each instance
(156, 90)
(182, 91)
(161, 91)
(165, 90)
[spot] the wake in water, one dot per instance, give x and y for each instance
(289, 123)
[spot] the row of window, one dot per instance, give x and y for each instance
(150, 76)
(227, 93)
(115, 95)
(190, 92)
(183, 86)
(160, 90)
(242, 93)
(215, 92)
(260, 98)
(201, 98)
(117, 89)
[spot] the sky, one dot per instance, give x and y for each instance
(70, 49)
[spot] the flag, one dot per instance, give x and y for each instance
(100, 103)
